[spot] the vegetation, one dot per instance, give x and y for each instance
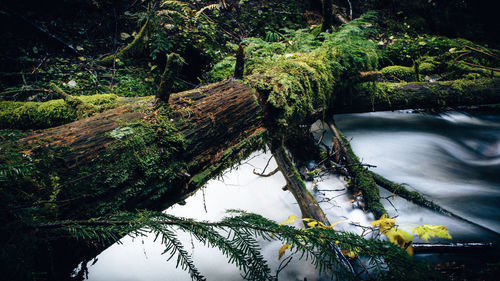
(106, 176)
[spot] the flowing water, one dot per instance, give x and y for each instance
(452, 158)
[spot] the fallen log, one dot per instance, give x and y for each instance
(395, 96)
(144, 156)
(361, 178)
(420, 200)
(419, 248)
(309, 207)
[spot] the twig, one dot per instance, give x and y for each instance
(482, 66)
(266, 175)
(342, 189)
(390, 202)
(350, 9)
(267, 164)
(482, 52)
(283, 264)
(322, 136)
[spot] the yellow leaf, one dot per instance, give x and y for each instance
(409, 250)
(427, 230)
(398, 236)
(283, 250)
(312, 224)
(384, 223)
(351, 254)
(335, 223)
(124, 36)
(291, 219)
(308, 219)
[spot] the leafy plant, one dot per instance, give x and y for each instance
(403, 238)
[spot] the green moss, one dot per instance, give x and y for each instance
(363, 180)
(404, 73)
(460, 69)
(427, 68)
(134, 83)
(222, 70)
(298, 83)
(34, 115)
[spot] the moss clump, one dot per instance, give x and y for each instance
(222, 70)
(304, 77)
(134, 83)
(399, 72)
(38, 115)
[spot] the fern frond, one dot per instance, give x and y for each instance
(170, 13)
(208, 7)
(177, 5)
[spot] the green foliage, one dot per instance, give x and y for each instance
(453, 56)
(179, 26)
(236, 237)
(133, 82)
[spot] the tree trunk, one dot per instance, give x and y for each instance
(219, 125)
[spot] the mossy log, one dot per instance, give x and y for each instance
(395, 96)
(206, 130)
(309, 207)
(361, 178)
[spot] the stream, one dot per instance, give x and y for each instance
(452, 158)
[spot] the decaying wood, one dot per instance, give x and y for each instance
(173, 66)
(239, 67)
